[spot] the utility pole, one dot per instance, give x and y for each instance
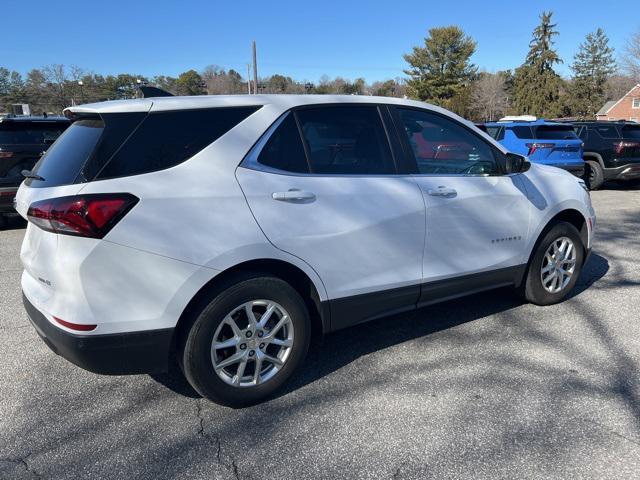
(249, 79)
(255, 69)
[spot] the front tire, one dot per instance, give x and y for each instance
(246, 343)
(555, 265)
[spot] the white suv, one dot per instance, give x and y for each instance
(226, 231)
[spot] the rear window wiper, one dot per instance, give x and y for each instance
(30, 174)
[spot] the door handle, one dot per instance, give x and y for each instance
(442, 191)
(294, 195)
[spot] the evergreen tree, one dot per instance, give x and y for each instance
(592, 66)
(536, 84)
(190, 83)
(440, 72)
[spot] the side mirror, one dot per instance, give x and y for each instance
(515, 163)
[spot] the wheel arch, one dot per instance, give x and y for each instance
(290, 273)
(594, 156)
(569, 215)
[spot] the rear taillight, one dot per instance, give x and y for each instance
(6, 154)
(537, 146)
(91, 215)
(620, 146)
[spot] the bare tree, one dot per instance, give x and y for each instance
(219, 81)
(489, 96)
(57, 79)
(618, 85)
(631, 57)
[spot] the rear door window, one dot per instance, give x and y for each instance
(165, 139)
(556, 132)
(64, 159)
(521, 132)
(346, 140)
(284, 150)
(607, 131)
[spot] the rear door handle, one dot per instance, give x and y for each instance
(294, 195)
(442, 191)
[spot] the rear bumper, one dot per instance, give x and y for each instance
(624, 172)
(112, 354)
(7, 194)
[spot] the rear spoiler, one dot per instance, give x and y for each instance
(148, 91)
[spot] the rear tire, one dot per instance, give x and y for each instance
(593, 175)
(274, 349)
(545, 282)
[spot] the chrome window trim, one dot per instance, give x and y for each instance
(251, 159)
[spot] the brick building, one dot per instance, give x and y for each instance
(627, 108)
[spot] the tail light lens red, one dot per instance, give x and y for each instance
(537, 146)
(6, 154)
(91, 215)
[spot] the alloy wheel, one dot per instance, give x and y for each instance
(252, 343)
(558, 265)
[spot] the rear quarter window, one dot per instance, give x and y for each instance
(165, 139)
(632, 132)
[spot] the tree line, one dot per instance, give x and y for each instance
(52, 88)
(439, 72)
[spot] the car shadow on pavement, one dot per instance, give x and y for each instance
(623, 186)
(341, 348)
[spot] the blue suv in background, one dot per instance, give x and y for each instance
(549, 143)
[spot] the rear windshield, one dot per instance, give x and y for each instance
(64, 159)
(118, 145)
(556, 132)
(631, 132)
(23, 133)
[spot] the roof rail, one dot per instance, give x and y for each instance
(518, 118)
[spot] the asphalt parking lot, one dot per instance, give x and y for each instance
(483, 387)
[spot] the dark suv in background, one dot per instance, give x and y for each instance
(611, 151)
(23, 140)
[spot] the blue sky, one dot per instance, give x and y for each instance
(296, 38)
